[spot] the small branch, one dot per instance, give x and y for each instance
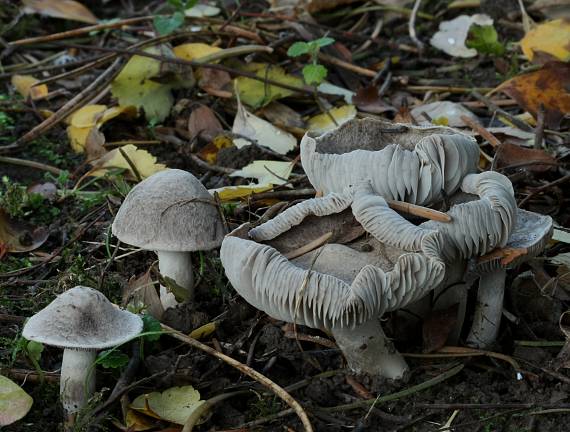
(412, 26)
(492, 139)
(30, 164)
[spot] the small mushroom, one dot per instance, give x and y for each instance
(172, 213)
(337, 287)
(528, 239)
(81, 321)
(417, 165)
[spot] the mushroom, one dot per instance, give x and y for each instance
(529, 237)
(81, 321)
(338, 287)
(418, 165)
(172, 213)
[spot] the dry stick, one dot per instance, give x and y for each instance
(412, 25)
(492, 139)
(309, 246)
(31, 164)
(262, 379)
(211, 167)
(417, 210)
(491, 105)
(345, 65)
(101, 81)
(543, 188)
(79, 31)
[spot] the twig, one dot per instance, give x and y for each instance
(492, 139)
(539, 129)
(211, 167)
(131, 164)
(31, 164)
(491, 105)
(309, 246)
(348, 66)
(412, 25)
(543, 188)
(417, 210)
(398, 395)
(262, 379)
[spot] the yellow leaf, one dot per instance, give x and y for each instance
(551, 38)
(14, 402)
(24, 83)
(87, 116)
(193, 51)
(257, 93)
(128, 110)
(174, 405)
(266, 172)
(134, 86)
(232, 193)
(66, 9)
(322, 123)
(78, 137)
(137, 422)
(210, 151)
(144, 162)
(203, 331)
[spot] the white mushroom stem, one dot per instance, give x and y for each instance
(77, 382)
(368, 350)
(487, 318)
(178, 267)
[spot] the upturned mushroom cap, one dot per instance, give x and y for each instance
(342, 287)
(169, 211)
(402, 162)
(82, 318)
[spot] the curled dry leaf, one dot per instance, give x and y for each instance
(174, 405)
(452, 35)
(14, 402)
(141, 290)
(203, 123)
(548, 86)
(367, 99)
(510, 154)
(548, 41)
(19, 237)
(24, 85)
(437, 327)
(66, 9)
(282, 116)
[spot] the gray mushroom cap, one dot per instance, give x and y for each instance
(169, 211)
(82, 318)
(402, 162)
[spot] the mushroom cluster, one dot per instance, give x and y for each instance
(340, 288)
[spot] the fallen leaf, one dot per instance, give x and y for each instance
(14, 402)
(144, 162)
(332, 89)
(86, 116)
(24, 83)
(510, 154)
(324, 122)
(136, 85)
(266, 172)
(19, 237)
(448, 113)
(232, 193)
(548, 41)
(264, 133)
(210, 151)
(193, 51)
(215, 82)
(548, 86)
(367, 99)
(137, 422)
(451, 36)
(257, 93)
(561, 235)
(204, 331)
(141, 290)
(174, 405)
(65, 9)
(437, 327)
(203, 123)
(282, 116)
(202, 10)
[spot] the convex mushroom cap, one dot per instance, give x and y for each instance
(82, 318)
(402, 162)
(169, 211)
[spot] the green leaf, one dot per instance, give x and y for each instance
(314, 74)
(151, 324)
(485, 40)
(34, 350)
(323, 42)
(178, 4)
(165, 25)
(112, 359)
(297, 49)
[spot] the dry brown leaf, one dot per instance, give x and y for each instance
(548, 86)
(203, 123)
(437, 328)
(210, 151)
(141, 290)
(65, 9)
(18, 237)
(367, 99)
(510, 154)
(282, 116)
